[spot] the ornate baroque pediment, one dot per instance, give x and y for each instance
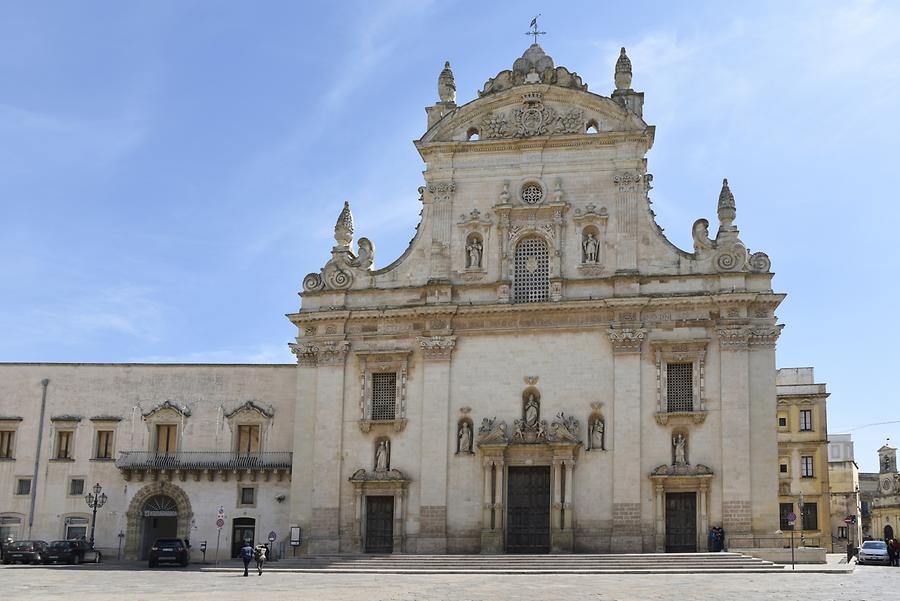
(533, 118)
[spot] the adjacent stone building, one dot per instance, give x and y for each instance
(885, 509)
(541, 370)
(803, 487)
(843, 481)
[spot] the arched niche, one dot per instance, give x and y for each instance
(465, 432)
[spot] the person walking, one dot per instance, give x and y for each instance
(246, 554)
(260, 554)
(894, 550)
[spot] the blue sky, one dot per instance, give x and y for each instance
(169, 171)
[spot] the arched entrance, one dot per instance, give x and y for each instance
(888, 532)
(158, 510)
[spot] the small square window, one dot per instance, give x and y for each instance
(842, 532)
(784, 468)
(23, 486)
(248, 495)
(76, 486)
(782, 422)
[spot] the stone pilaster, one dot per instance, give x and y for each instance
(734, 392)
(626, 435)
(324, 531)
(764, 440)
(303, 440)
(436, 446)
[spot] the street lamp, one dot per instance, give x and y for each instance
(801, 504)
(95, 500)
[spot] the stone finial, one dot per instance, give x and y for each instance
(727, 211)
(623, 71)
(447, 85)
(343, 229)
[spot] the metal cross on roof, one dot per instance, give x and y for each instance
(534, 29)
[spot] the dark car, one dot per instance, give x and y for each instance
(169, 550)
(71, 551)
(26, 551)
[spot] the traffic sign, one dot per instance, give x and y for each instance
(272, 536)
(848, 520)
(221, 511)
(791, 518)
(219, 523)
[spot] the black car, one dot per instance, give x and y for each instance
(71, 551)
(26, 551)
(171, 550)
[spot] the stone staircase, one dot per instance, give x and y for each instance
(645, 563)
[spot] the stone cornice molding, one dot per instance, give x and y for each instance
(626, 339)
(437, 348)
(182, 409)
(644, 136)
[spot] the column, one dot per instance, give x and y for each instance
(626, 435)
(660, 516)
(734, 387)
(568, 506)
(556, 502)
(327, 476)
(704, 515)
(492, 517)
(436, 446)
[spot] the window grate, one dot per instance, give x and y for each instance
(76, 486)
(532, 271)
(532, 194)
(384, 395)
(680, 386)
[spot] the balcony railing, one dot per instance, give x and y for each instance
(204, 460)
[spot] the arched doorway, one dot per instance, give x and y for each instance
(242, 529)
(158, 510)
(888, 532)
(160, 520)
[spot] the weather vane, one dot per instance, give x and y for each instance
(534, 29)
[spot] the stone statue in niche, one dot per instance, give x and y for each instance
(679, 442)
(591, 246)
(474, 252)
(382, 459)
(532, 411)
(598, 435)
(465, 438)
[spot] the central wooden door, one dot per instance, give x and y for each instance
(681, 522)
(528, 510)
(379, 524)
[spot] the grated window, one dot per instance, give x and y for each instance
(680, 386)
(384, 395)
(532, 194)
(532, 271)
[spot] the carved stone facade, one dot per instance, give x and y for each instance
(549, 318)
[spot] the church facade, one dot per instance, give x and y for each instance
(540, 371)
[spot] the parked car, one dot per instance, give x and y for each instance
(873, 551)
(170, 550)
(26, 551)
(71, 551)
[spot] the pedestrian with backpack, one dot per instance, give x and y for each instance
(246, 554)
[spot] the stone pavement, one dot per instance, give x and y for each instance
(127, 581)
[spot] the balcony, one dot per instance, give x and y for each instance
(224, 464)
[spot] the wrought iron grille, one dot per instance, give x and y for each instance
(680, 386)
(532, 271)
(532, 194)
(384, 395)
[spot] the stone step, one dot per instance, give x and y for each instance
(668, 563)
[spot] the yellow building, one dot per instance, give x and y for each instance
(843, 478)
(803, 487)
(886, 505)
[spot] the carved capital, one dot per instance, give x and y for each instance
(441, 191)
(626, 340)
(310, 354)
(437, 348)
(765, 337)
(307, 353)
(734, 338)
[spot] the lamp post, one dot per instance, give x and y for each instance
(95, 500)
(801, 504)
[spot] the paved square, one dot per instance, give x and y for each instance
(107, 582)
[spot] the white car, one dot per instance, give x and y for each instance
(873, 551)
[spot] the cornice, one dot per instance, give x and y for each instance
(537, 142)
